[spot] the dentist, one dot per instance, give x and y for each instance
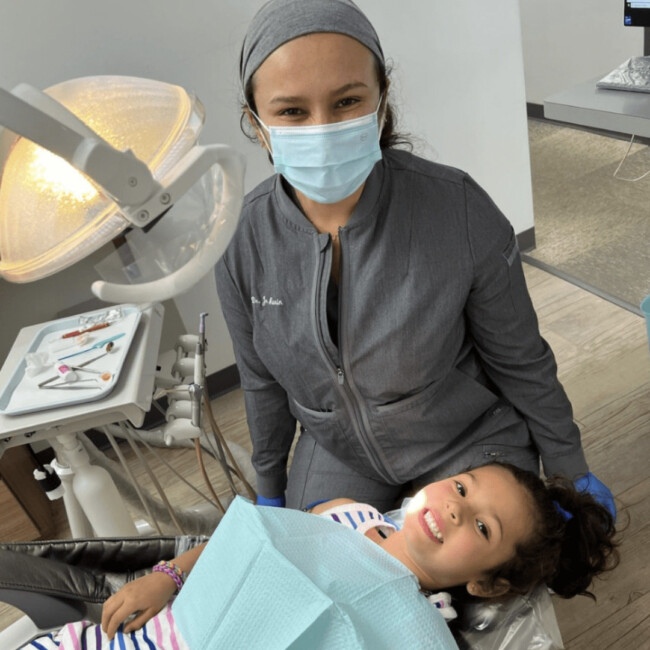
(372, 296)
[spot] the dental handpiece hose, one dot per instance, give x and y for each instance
(196, 393)
(202, 328)
(199, 373)
(196, 389)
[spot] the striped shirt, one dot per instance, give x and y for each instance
(160, 632)
(360, 517)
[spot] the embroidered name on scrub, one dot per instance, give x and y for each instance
(274, 302)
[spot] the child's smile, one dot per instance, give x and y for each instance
(431, 524)
(457, 529)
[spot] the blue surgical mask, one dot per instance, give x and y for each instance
(326, 162)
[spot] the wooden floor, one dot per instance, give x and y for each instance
(604, 364)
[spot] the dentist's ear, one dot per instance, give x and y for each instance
(481, 589)
(261, 138)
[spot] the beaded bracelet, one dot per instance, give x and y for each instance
(173, 571)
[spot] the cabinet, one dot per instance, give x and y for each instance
(25, 511)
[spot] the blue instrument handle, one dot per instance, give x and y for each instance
(94, 347)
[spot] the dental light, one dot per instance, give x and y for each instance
(113, 159)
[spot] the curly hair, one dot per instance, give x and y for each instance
(564, 554)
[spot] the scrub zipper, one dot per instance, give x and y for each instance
(364, 430)
(348, 390)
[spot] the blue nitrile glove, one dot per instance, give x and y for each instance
(599, 491)
(276, 502)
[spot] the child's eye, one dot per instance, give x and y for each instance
(484, 529)
(461, 488)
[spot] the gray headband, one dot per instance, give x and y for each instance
(279, 21)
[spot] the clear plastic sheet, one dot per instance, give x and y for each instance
(111, 315)
(521, 622)
(164, 247)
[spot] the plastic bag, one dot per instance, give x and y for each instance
(521, 622)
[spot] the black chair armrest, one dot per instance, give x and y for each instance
(103, 554)
(49, 592)
(55, 582)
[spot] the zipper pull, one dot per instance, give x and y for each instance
(341, 376)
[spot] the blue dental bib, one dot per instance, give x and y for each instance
(273, 578)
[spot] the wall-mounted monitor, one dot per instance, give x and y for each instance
(636, 13)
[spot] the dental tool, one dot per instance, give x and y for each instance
(109, 347)
(99, 326)
(70, 386)
(94, 347)
(104, 376)
(96, 372)
(199, 374)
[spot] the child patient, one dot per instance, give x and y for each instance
(496, 530)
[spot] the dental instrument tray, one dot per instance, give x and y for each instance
(58, 370)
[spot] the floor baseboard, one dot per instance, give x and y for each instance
(579, 283)
(526, 240)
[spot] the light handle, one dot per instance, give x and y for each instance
(186, 173)
(34, 115)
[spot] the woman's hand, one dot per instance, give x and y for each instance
(145, 597)
(598, 490)
(276, 502)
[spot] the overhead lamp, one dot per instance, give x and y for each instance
(114, 159)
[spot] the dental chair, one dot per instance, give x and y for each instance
(57, 582)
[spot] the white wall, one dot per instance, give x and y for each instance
(458, 70)
(569, 42)
(458, 80)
